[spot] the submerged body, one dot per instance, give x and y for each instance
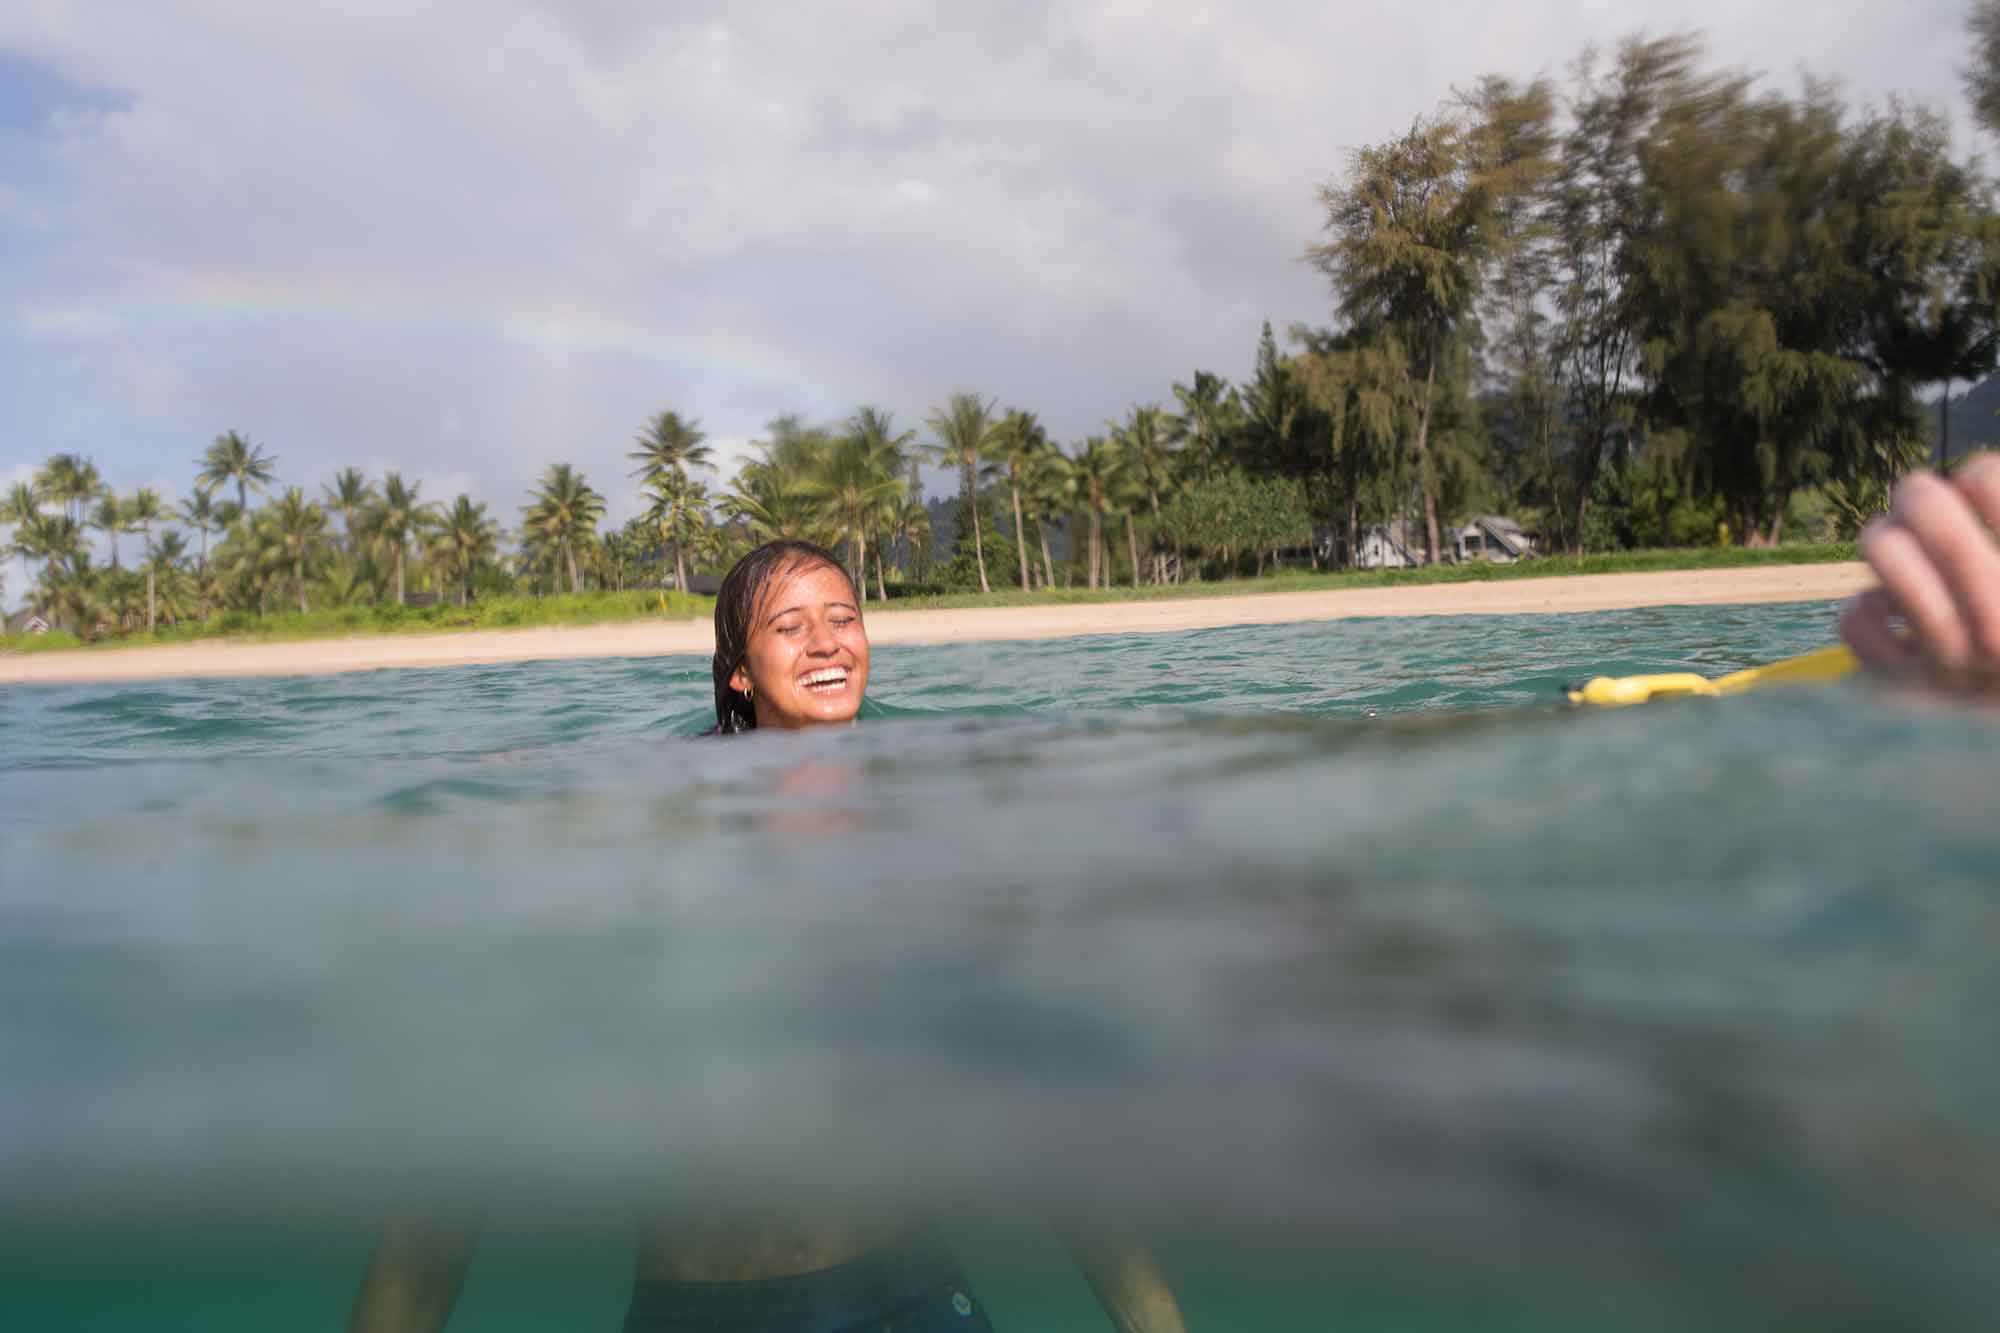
(791, 653)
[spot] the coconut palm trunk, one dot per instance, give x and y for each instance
(861, 565)
(1048, 566)
(1132, 546)
(399, 574)
(881, 586)
(1159, 556)
(978, 545)
(299, 580)
(1096, 545)
(575, 579)
(1020, 534)
(680, 566)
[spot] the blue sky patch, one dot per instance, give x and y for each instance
(32, 93)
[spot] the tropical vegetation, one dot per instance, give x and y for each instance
(1650, 304)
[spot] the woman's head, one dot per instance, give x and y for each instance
(790, 650)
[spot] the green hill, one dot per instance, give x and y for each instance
(1974, 419)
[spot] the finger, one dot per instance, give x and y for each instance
(1962, 550)
(1866, 624)
(1979, 483)
(1919, 592)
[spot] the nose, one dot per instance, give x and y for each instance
(820, 640)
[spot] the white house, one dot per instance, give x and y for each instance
(1494, 539)
(1387, 546)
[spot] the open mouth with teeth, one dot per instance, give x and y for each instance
(826, 680)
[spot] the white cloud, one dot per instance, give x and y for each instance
(73, 322)
(469, 238)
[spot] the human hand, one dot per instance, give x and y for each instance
(1936, 555)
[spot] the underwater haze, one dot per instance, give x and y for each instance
(1384, 991)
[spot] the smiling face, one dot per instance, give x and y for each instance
(806, 660)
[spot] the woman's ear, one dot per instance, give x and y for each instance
(739, 680)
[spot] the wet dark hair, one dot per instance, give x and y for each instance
(736, 607)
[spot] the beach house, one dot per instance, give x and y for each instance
(1493, 539)
(1387, 546)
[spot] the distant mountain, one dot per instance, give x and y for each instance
(1974, 419)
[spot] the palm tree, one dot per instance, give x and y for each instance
(200, 512)
(911, 525)
(619, 549)
(233, 458)
(890, 449)
(250, 560)
(962, 428)
(66, 591)
(72, 481)
(463, 540)
(669, 448)
(45, 537)
(300, 528)
(397, 517)
(109, 518)
(1051, 491)
(23, 499)
(1146, 443)
(1095, 469)
(142, 511)
(564, 514)
(670, 445)
(853, 487)
(20, 506)
(678, 507)
(1019, 440)
(1209, 413)
(350, 493)
(768, 497)
(168, 586)
(1128, 491)
(48, 537)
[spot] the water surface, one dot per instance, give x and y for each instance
(1384, 991)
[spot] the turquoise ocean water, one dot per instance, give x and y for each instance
(1376, 988)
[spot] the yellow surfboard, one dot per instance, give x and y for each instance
(1824, 664)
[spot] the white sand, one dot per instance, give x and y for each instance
(651, 638)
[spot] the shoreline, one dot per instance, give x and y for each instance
(1553, 595)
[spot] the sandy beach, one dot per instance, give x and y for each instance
(653, 638)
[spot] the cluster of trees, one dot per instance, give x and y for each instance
(1655, 286)
(214, 551)
(240, 542)
(1651, 304)
(1022, 498)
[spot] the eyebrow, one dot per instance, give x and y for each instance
(791, 610)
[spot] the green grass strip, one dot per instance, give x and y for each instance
(600, 608)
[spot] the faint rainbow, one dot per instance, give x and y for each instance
(225, 299)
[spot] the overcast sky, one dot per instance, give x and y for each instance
(467, 239)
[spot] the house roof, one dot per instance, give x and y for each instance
(1396, 533)
(1505, 531)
